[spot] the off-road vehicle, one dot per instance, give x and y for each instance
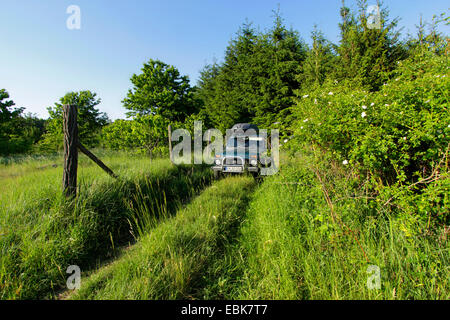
(245, 151)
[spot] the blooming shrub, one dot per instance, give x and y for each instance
(397, 138)
(397, 133)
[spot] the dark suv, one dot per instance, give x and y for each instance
(244, 151)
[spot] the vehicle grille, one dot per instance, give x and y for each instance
(233, 161)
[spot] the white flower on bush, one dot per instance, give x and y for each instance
(305, 96)
(372, 104)
(386, 105)
(306, 120)
(345, 162)
(286, 140)
(363, 114)
(364, 107)
(301, 128)
(315, 101)
(330, 93)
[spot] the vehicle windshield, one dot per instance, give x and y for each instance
(242, 142)
(251, 143)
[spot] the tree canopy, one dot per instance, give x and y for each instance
(90, 120)
(160, 89)
(257, 79)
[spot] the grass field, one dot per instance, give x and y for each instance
(42, 232)
(173, 259)
(161, 232)
(294, 250)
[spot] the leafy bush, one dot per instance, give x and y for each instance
(143, 134)
(397, 138)
(399, 132)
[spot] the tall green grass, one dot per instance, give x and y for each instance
(296, 245)
(42, 233)
(171, 261)
(310, 232)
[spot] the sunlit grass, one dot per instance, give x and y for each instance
(293, 250)
(235, 240)
(171, 261)
(42, 232)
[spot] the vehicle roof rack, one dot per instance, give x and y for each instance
(244, 127)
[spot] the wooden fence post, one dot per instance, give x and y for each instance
(70, 129)
(170, 143)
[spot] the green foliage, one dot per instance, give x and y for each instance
(393, 133)
(18, 132)
(90, 121)
(398, 136)
(256, 81)
(144, 134)
(430, 40)
(366, 183)
(160, 90)
(365, 54)
(319, 61)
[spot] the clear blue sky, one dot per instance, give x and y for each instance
(41, 60)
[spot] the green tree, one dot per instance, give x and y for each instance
(206, 90)
(227, 89)
(18, 132)
(366, 55)
(256, 81)
(283, 55)
(160, 89)
(319, 61)
(429, 40)
(6, 107)
(90, 120)
(11, 140)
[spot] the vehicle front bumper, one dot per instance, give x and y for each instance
(244, 169)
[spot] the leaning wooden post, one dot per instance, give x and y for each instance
(170, 142)
(70, 129)
(96, 160)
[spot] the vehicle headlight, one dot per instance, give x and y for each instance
(218, 162)
(253, 162)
